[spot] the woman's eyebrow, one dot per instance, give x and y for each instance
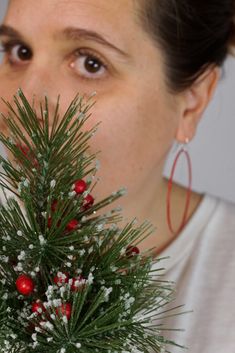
(69, 33)
(10, 32)
(73, 33)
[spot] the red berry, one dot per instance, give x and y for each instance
(49, 222)
(65, 309)
(61, 278)
(88, 201)
(132, 250)
(72, 225)
(35, 163)
(54, 205)
(27, 153)
(24, 149)
(37, 307)
(77, 284)
(24, 285)
(80, 186)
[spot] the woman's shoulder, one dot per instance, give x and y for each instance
(218, 233)
(213, 212)
(212, 224)
(224, 211)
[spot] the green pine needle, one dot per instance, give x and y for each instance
(112, 296)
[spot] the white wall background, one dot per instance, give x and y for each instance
(212, 151)
(3, 5)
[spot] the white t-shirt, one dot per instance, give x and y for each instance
(202, 264)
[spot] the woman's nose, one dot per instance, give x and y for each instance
(37, 83)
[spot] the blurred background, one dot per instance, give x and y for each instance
(212, 150)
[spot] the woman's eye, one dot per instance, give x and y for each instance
(16, 52)
(88, 65)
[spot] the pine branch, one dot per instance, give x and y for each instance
(90, 290)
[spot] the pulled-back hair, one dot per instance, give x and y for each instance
(192, 34)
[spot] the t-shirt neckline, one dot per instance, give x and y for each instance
(185, 240)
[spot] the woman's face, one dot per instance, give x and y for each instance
(69, 46)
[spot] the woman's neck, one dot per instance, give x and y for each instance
(153, 209)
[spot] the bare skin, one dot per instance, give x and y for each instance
(140, 117)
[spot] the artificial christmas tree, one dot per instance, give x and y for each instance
(71, 280)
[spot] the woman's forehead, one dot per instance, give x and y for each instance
(101, 8)
(112, 16)
(115, 21)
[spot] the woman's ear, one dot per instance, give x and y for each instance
(194, 102)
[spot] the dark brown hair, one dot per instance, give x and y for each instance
(193, 35)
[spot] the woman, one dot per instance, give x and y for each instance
(154, 66)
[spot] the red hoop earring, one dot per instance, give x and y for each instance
(189, 190)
